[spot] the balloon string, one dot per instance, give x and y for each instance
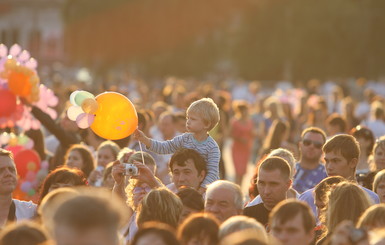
(141, 151)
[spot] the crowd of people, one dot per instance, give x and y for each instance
(318, 154)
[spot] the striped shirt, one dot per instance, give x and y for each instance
(208, 149)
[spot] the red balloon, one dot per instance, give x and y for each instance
(7, 102)
(24, 158)
(14, 149)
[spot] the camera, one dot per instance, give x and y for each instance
(131, 169)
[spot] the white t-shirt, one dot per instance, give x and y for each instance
(24, 210)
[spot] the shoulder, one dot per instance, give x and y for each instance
(307, 195)
(371, 194)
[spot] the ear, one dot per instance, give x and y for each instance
(353, 163)
(289, 182)
(202, 175)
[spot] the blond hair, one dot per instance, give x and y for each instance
(373, 217)
(110, 145)
(345, 194)
(240, 223)
(160, 205)
(380, 176)
(207, 109)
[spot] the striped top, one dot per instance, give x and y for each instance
(208, 149)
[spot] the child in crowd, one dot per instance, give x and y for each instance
(202, 116)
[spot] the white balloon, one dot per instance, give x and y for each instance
(73, 112)
(3, 50)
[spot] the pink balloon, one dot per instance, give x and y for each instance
(31, 63)
(3, 50)
(85, 120)
(26, 186)
(15, 50)
(24, 56)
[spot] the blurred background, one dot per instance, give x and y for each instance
(267, 40)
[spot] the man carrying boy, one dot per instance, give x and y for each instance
(202, 116)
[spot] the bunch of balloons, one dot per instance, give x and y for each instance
(110, 115)
(19, 79)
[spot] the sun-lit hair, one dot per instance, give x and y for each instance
(239, 223)
(273, 163)
(201, 226)
(207, 109)
(110, 145)
(229, 186)
(160, 205)
(315, 130)
(347, 201)
(26, 232)
(373, 217)
(286, 155)
(380, 177)
(5, 153)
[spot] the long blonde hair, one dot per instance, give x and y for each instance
(347, 201)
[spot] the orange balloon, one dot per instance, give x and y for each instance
(19, 84)
(115, 117)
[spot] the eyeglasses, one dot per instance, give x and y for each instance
(316, 144)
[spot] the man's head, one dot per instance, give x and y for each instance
(273, 181)
(312, 140)
(341, 156)
(223, 199)
(86, 219)
(335, 124)
(8, 174)
(292, 223)
(188, 168)
(167, 125)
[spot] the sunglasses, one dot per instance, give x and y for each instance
(316, 144)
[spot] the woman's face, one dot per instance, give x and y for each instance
(74, 160)
(379, 158)
(381, 191)
(105, 156)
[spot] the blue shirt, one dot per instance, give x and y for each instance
(305, 179)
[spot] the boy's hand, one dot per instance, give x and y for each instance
(140, 136)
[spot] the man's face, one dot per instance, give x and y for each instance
(292, 232)
(311, 146)
(167, 127)
(65, 235)
(272, 187)
(220, 202)
(8, 179)
(337, 165)
(187, 175)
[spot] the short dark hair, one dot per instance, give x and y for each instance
(85, 212)
(162, 230)
(289, 209)
(181, 156)
(26, 232)
(346, 144)
(273, 163)
(191, 198)
(336, 120)
(366, 133)
(314, 130)
(62, 175)
(322, 188)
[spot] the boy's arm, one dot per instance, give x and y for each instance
(212, 167)
(168, 146)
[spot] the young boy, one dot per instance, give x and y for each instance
(202, 116)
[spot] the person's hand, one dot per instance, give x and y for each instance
(343, 233)
(145, 175)
(94, 176)
(118, 171)
(140, 136)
